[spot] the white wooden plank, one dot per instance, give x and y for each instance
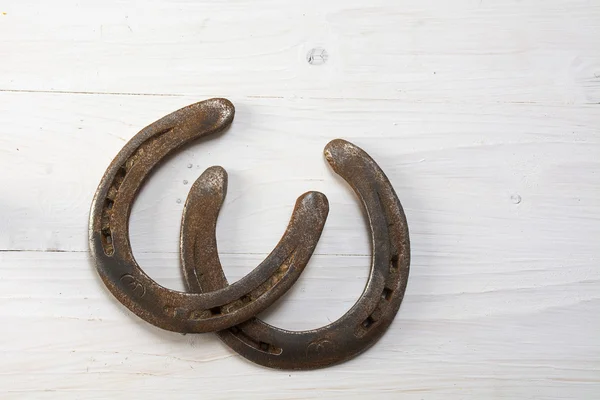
(433, 51)
(504, 333)
(470, 177)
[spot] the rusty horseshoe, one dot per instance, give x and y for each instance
(180, 311)
(363, 324)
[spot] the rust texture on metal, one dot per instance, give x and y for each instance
(211, 304)
(364, 323)
(180, 311)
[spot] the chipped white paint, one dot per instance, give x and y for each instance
(484, 114)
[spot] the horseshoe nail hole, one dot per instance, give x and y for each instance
(246, 299)
(386, 294)
(252, 342)
(109, 204)
(367, 323)
(394, 263)
(269, 348)
(215, 311)
(120, 176)
(106, 237)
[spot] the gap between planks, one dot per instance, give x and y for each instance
(174, 252)
(571, 103)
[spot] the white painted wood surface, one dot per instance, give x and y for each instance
(484, 114)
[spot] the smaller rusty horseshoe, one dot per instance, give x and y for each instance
(364, 323)
(169, 309)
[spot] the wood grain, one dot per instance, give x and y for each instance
(466, 50)
(484, 115)
(463, 334)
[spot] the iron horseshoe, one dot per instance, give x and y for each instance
(364, 323)
(169, 309)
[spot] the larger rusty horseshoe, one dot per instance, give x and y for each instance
(364, 323)
(169, 309)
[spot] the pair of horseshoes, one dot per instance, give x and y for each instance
(211, 304)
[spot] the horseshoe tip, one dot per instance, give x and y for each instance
(220, 110)
(215, 171)
(314, 201)
(339, 145)
(337, 142)
(213, 180)
(339, 150)
(225, 105)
